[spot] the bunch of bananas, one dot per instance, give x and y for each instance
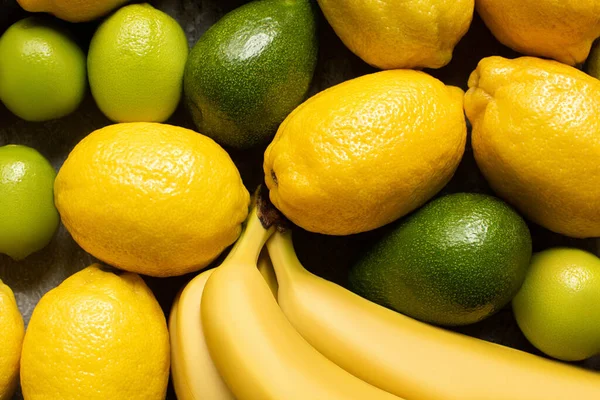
(279, 332)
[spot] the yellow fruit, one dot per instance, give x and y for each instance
(536, 138)
(392, 34)
(11, 337)
(410, 358)
(73, 10)
(558, 29)
(256, 350)
(135, 64)
(366, 152)
(99, 335)
(151, 198)
(195, 376)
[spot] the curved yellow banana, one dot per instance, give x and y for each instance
(255, 348)
(410, 358)
(183, 392)
(266, 269)
(195, 376)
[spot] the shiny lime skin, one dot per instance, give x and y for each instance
(42, 70)
(251, 69)
(558, 306)
(28, 218)
(456, 261)
(135, 64)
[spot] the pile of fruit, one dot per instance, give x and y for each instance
(371, 154)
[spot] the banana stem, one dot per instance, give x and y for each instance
(283, 256)
(260, 225)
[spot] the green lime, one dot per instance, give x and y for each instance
(557, 307)
(456, 261)
(42, 70)
(27, 213)
(135, 64)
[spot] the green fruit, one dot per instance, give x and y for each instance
(557, 306)
(136, 62)
(251, 69)
(27, 213)
(456, 261)
(592, 66)
(42, 70)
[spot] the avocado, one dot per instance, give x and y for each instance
(251, 69)
(456, 261)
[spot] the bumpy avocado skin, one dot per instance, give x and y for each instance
(251, 69)
(456, 261)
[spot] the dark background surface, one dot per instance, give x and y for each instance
(327, 256)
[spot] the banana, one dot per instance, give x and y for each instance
(257, 351)
(266, 269)
(195, 377)
(409, 358)
(181, 390)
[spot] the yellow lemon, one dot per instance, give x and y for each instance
(366, 152)
(99, 335)
(11, 337)
(536, 138)
(73, 10)
(400, 33)
(558, 29)
(151, 198)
